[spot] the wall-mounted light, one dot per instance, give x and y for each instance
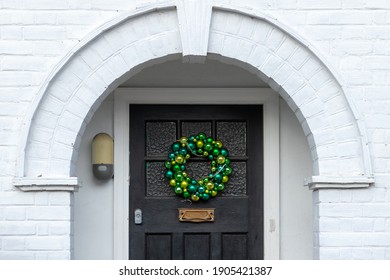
(103, 156)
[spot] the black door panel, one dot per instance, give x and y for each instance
(237, 232)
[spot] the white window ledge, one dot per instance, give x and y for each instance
(46, 184)
(320, 182)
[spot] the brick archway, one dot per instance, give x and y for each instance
(136, 40)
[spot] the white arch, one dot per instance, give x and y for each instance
(136, 40)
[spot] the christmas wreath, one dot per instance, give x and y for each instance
(201, 146)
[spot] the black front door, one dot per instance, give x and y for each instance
(237, 232)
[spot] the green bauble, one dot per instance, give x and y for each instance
(218, 178)
(186, 194)
(169, 174)
(191, 189)
(168, 164)
(179, 176)
(201, 189)
(178, 190)
(175, 147)
(205, 196)
(176, 167)
(215, 152)
(224, 152)
(192, 146)
(208, 147)
(220, 187)
(228, 170)
(202, 136)
(183, 151)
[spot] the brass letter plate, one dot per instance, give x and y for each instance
(196, 215)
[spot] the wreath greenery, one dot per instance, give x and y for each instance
(201, 146)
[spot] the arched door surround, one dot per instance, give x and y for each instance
(193, 30)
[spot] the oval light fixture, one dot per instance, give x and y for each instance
(103, 156)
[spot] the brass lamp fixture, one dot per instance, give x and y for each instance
(103, 156)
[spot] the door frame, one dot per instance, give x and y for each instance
(123, 97)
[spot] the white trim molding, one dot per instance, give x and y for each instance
(267, 97)
(318, 182)
(47, 184)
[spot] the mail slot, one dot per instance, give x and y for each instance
(198, 215)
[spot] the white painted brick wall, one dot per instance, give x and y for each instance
(35, 225)
(352, 35)
(353, 224)
(356, 42)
